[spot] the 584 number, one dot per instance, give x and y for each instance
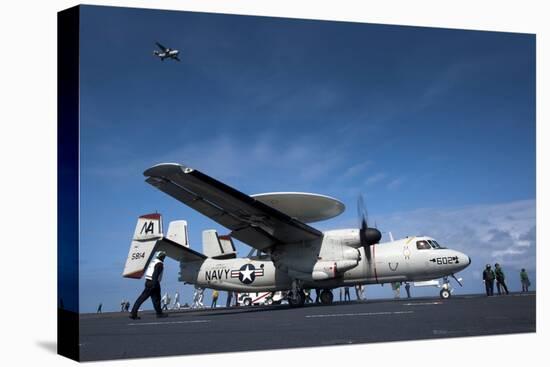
(138, 255)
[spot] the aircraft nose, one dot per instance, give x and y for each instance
(464, 260)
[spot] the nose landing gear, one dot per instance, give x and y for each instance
(446, 288)
(445, 294)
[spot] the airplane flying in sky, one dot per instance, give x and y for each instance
(166, 52)
(288, 254)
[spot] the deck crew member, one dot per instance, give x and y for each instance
(165, 301)
(153, 277)
(489, 279)
(499, 274)
(346, 294)
(396, 286)
(408, 289)
(215, 295)
(229, 298)
(525, 283)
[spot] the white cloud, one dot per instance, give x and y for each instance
(299, 164)
(356, 169)
(371, 180)
(488, 233)
(505, 252)
(523, 243)
(395, 183)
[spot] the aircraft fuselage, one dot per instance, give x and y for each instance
(167, 54)
(336, 260)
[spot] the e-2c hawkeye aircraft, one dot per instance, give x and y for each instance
(290, 254)
(166, 52)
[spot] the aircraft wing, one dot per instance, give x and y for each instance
(161, 47)
(251, 221)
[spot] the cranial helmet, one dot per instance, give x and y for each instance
(161, 255)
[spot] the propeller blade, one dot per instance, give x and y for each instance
(362, 213)
(367, 236)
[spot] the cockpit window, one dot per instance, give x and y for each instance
(434, 244)
(423, 245)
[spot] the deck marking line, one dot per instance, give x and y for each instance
(168, 322)
(360, 314)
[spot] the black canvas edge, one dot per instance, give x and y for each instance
(68, 34)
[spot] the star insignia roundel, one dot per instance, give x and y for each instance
(247, 273)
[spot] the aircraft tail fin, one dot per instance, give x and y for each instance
(149, 238)
(217, 247)
(148, 231)
(177, 232)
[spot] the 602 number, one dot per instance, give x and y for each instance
(445, 260)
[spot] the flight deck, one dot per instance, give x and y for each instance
(114, 335)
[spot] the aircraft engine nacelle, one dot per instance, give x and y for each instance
(329, 269)
(350, 253)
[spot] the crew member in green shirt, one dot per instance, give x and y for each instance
(525, 283)
(499, 274)
(489, 279)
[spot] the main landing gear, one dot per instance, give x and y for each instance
(296, 297)
(326, 297)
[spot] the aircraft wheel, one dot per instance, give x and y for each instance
(445, 294)
(297, 300)
(269, 301)
(326, 297)
(247, 302)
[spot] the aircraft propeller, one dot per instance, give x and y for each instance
(368, 236)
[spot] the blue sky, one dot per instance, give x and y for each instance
(435, 127)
